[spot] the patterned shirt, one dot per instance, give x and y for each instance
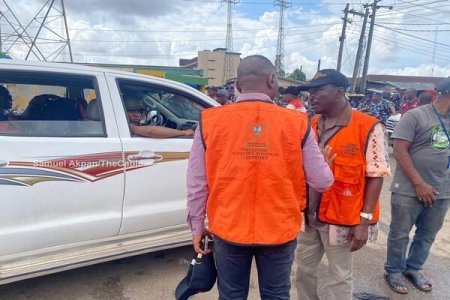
(380, 109)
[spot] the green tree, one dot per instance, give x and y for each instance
(297, 75)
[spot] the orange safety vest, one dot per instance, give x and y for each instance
(254, 170)
(342, 203)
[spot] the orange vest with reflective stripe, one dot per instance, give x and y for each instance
(342, 203)
(254, 170)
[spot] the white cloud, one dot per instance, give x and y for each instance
(160, 32)
(421, 70)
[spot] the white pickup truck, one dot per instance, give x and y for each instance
(76, 186)
(391, 123)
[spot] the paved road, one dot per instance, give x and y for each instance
(155, 275)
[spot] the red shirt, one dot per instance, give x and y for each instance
(408, 105)
(297, 105)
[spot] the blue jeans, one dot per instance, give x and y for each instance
(234, 264)
(407, 211)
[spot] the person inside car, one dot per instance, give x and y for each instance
(5, 103)
(137, 118)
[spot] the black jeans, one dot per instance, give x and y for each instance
(272, 262)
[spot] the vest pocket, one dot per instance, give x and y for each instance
(342, 203)
(347, 171)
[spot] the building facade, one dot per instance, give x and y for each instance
(213, 65)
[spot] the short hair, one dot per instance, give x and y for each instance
(254, 69)
(5, 98)
(425, 98)
(411, 90)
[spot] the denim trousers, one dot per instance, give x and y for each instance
(407, 211)
(273, 264)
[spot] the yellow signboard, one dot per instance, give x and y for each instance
(160, 74)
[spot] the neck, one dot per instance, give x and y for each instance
(336, 112)
(442, 107)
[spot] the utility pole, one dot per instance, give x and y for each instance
(228, 61)
(360, 47)
(342, 37)
(279, 57)
(369, 41)
(434, 50)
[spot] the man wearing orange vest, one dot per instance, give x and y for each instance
(248, 169)
(340, 220)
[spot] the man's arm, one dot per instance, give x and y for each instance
(317, 172)
(404, 136)
(159, 132)
(425, 192)
(359, 233)
(197, 192)
(377, 167)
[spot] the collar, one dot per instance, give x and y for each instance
(344, 118)
(254, 97)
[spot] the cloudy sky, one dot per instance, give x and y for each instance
(412, 38)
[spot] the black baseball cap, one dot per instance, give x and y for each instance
(201, 277)
(326, 76)
(443, 87)
(291, 90)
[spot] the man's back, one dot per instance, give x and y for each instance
(254, 161)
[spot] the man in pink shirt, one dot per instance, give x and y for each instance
(258, 85)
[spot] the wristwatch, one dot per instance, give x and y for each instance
(366, 215)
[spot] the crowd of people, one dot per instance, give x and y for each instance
(380, 104)
(271, 180)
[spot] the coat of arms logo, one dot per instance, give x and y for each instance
(257, 129)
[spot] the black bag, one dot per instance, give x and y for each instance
(201, 276)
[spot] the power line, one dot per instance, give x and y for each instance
(419, 38)
(412, 24)
(194, 31)
(411, 49)
(423, 30)
(187, 40)
(271, 3)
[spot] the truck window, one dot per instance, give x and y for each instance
(159, 105)
(47, 104)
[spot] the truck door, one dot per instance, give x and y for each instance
(61, 162)
(155, 194)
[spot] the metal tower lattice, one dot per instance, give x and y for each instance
(228, 62)
(37, 40)
(279, 58)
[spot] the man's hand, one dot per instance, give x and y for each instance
(188, 132)
(358, 235)
(326, 152)
(426, 193)
(197, 242)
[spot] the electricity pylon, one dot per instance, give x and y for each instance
(279, 58)
(228, 62)
(38, 39)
